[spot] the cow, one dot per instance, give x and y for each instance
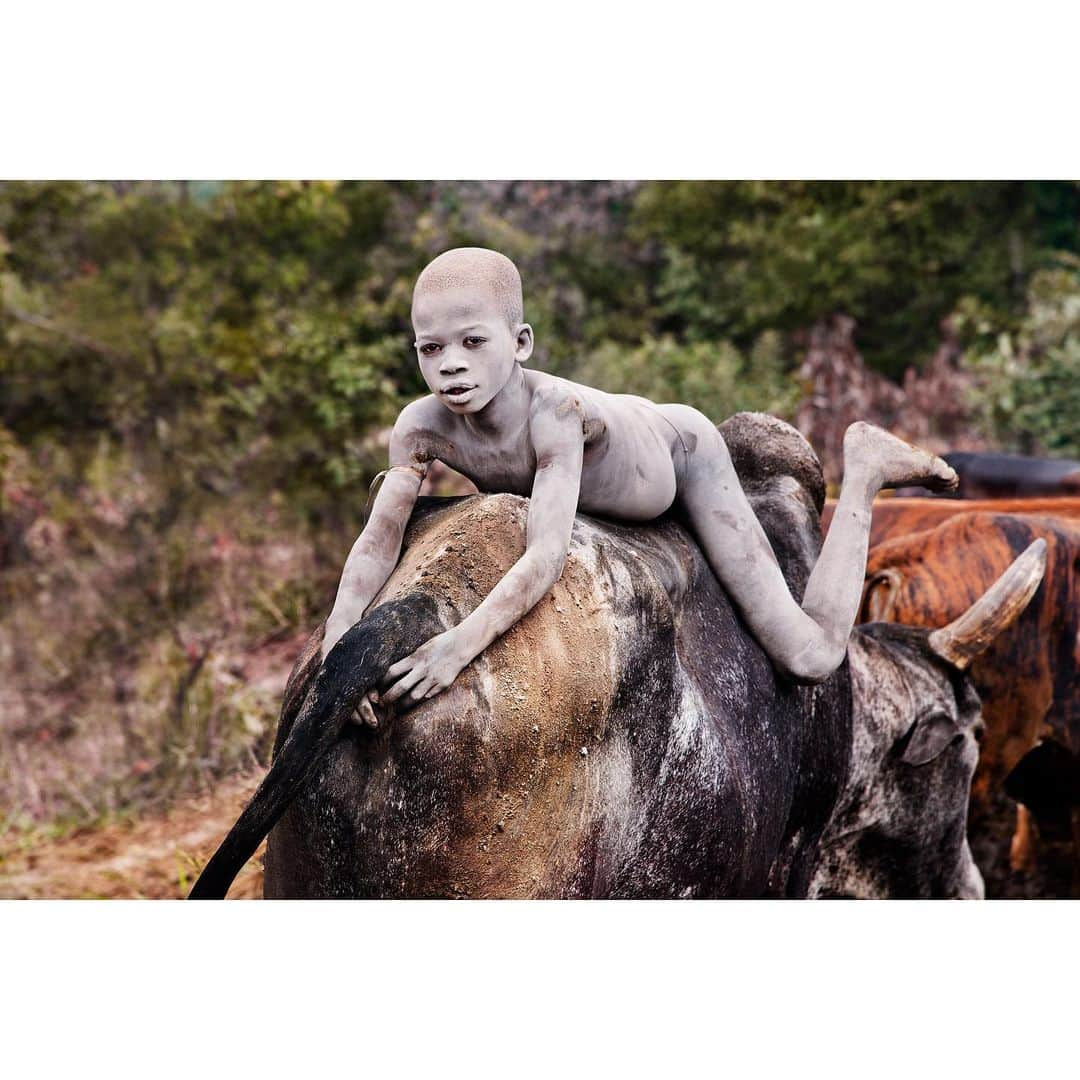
(897, 517)
(1029, 679)
(628, 738)
(1010, 476)
(1006, 476)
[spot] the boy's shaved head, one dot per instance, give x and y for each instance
(469, 267)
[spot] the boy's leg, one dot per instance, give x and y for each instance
(873, 459)
(806, 642)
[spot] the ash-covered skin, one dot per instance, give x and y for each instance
(571, 447)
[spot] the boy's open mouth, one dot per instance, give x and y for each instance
(457, 391)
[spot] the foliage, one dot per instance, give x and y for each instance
(275, 315)
(136, 661)
(1028, 379)
(194, 379)
(267, 317)
(738, 258)
(717, 379)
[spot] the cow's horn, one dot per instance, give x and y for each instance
(970, 634)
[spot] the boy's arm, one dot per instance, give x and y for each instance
(558, 441)
(375, 553)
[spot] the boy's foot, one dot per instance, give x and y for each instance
(894, 462)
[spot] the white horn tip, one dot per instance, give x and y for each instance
(972, 633)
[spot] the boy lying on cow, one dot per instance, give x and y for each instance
(569, 446)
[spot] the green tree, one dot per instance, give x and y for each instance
(1028, 378)
(250, 338)
(717, 379)
(735, 258)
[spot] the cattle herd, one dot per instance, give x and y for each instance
(629, 739)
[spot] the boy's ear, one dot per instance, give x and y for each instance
(524, 343)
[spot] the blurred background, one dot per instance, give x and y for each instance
(197, 380)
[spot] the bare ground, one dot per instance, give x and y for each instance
(150, 857)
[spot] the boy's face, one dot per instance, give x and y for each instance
(467, 351)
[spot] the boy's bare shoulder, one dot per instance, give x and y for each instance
(423, 414)
(542, 384)
(552, 396)
(421, 432)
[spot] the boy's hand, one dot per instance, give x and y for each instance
(421, 675)
(433, 667)
(371, 710)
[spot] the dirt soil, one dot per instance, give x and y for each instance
(151, 857)
(159, 856)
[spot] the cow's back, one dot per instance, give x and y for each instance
(893, 517)
(626, 738)
(997, 476)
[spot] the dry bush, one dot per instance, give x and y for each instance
(138, 662)
(933, 407)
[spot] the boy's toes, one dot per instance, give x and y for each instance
(924, 469)
(943, 478)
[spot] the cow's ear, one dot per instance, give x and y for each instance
(928, 736)
(879, 595)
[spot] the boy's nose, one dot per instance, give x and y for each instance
(453, 363)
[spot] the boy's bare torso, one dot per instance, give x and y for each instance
(633, 448)
(571, 447)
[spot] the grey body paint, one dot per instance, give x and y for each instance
(573, 447)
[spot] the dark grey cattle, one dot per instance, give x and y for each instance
(628, 738)
(1006, 476)
(899, 828)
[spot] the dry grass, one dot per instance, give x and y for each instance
(142, 652)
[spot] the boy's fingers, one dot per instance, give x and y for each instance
(420, 691)
(406, 682)
(389, 677)
(398, 669)
(367, 713)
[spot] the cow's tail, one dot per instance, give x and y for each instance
(358, 661)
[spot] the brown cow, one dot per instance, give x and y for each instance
(898, 517)
(1029, 679)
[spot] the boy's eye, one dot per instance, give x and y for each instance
(430, 349)
(473, 342)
